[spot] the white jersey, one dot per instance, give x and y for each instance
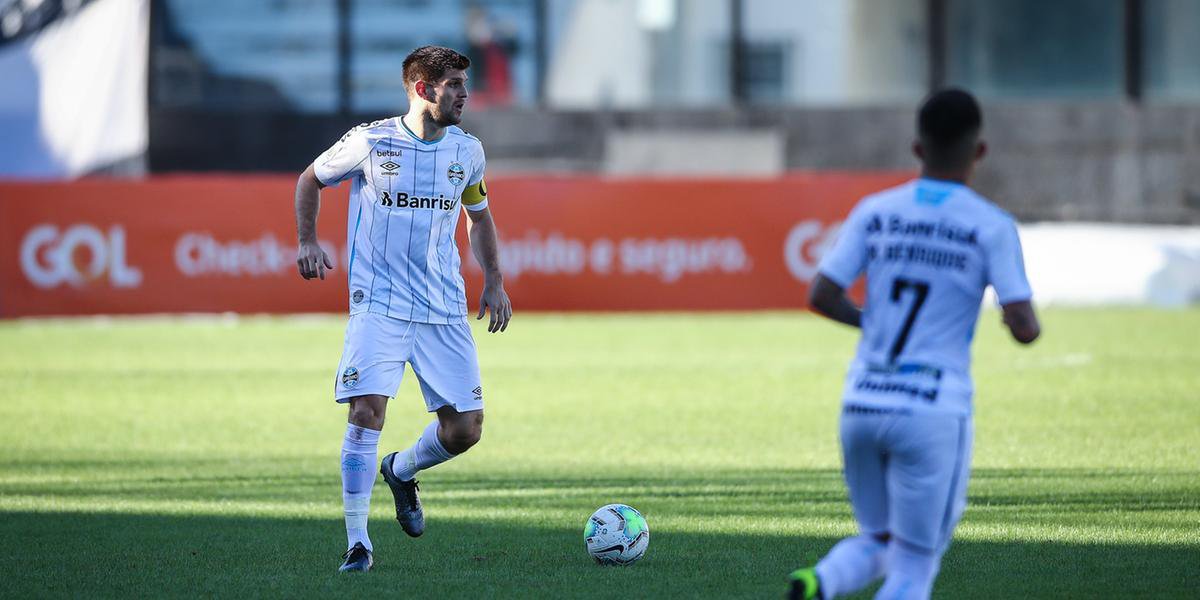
(929, 249)
(404, 206)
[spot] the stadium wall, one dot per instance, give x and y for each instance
(1101, 161)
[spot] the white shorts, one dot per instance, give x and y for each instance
(907, 473)
(442, 356)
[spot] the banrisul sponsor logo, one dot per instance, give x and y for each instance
(403, 200)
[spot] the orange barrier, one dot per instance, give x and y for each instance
(214, 244)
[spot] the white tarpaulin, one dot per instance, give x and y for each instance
(73, 94)
(1097, 264)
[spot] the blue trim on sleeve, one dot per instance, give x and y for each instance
(838, 279)
(1026, 296)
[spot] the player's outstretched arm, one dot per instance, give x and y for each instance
(1022, 321)
(311, 260)
(485, 245)
(829, 299)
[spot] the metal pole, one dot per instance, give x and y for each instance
(343, 57)
(1133, 50)
(936, 25)
(152, 41)
(151, 58)
(737, 42)
(539, 50)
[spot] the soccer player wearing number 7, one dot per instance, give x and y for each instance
(408, 177)
(929, 249)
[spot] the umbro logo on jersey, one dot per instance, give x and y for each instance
(389, 168)
(403, 200)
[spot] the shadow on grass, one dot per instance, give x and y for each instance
(82, 554)
(511, 538)
(715, 493)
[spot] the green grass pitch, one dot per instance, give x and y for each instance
(199, 457)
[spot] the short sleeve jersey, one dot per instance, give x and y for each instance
(929, 249)
(405, 195)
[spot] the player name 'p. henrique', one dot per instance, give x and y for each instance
(403, 200)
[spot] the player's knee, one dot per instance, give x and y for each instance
(463, 434)
(911, 570)
(463, 439)
(367, 414)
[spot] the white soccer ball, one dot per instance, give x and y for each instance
(616, 534)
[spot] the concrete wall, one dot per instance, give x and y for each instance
(1110, 162)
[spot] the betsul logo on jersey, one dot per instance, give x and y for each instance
(77, 255)
(806, 243)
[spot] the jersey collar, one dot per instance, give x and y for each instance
(930, 181)
(404, 127)
(935, 192)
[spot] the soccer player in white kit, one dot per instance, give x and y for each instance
(929, 249)
(408, 177)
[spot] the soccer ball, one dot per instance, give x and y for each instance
(616, 534)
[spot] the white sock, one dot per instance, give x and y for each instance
(910, 573)
(852, 564)
(427, 452)
(359, 454)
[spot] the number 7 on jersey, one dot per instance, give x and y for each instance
(921, 290)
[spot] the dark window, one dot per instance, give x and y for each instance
(1036, 48)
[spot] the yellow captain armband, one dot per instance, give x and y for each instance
(474, 197)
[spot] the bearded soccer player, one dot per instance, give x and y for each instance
(408, 176)
(928, 248)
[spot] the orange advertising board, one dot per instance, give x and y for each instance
(217, 244)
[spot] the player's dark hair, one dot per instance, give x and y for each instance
(948, 124)
(430, 63)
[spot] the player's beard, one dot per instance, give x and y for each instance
(445, 117)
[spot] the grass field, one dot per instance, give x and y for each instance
(177, 457)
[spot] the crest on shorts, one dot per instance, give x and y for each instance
(456, 173)
(350, 377)
(357, 296)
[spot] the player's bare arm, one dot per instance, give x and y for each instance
(481, 229)
(1022, 321)
(830, 300)
(311, 260)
